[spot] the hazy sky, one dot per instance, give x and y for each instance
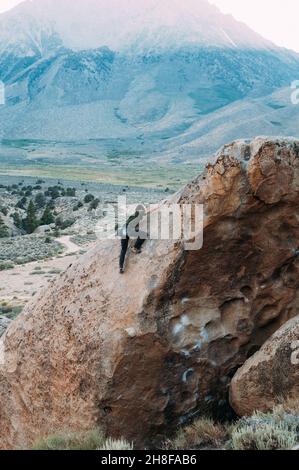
(274, 19)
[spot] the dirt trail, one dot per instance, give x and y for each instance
(69, 245)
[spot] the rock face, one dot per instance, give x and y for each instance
(270, 375)
(140, 353)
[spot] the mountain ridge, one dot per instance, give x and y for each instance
(155, 95)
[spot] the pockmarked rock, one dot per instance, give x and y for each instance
(271, 375)
(142, 353)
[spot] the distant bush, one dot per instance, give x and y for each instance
(94, 204)
(70, 192)
(6, 265)
(64, 224)
(4, 232)
(40, 200)
(10, 311)
(88, 198)
(78, 206)
(4, 210)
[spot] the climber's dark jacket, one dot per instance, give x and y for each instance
(130, 230)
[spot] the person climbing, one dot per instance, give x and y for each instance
(130, 230)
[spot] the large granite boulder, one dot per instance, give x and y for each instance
(140, 353)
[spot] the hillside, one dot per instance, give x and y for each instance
(160, 83)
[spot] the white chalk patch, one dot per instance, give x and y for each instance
(177, 328)
(131, 332)
(187, 374)
(185, 320)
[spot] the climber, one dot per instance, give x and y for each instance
(132, 230)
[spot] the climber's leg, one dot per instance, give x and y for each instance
(138, 245)
(124, 249)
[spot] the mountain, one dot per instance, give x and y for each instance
(125, 24)
(155, 73)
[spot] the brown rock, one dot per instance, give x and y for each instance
(271, 375)
(140, 353)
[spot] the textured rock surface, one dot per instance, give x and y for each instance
(143, 352)
(271, 375)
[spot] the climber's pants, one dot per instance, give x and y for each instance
(124, 249)
(139, 243)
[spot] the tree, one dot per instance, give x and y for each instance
(4, 210)
(30, 223)
(88, 198)
(71, 192)
(53, 192)
(21, 203)
(40, 200)
(47, 217)
(4, 233)
(17, 220)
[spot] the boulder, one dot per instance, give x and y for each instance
(141, 353)
(271, 375)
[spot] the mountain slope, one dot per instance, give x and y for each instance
(122, 24)
(166, 79)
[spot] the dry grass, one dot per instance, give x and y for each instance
(89, 440)
(116, 444)
(290, 405)
(203, 432)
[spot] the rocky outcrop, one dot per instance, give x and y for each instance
(140, 353)
(271, 375)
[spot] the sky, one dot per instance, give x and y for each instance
(276, 20)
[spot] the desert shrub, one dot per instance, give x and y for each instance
(27, 248)
(4, 232)
(4, 210)
(88, 440)
(94, 204)
(10, 311)
(64, 224)
(84, 239)
(88, 198)
(265, 437)
(6, 265)
(116, 444)
(203, 432)
(266, 431)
